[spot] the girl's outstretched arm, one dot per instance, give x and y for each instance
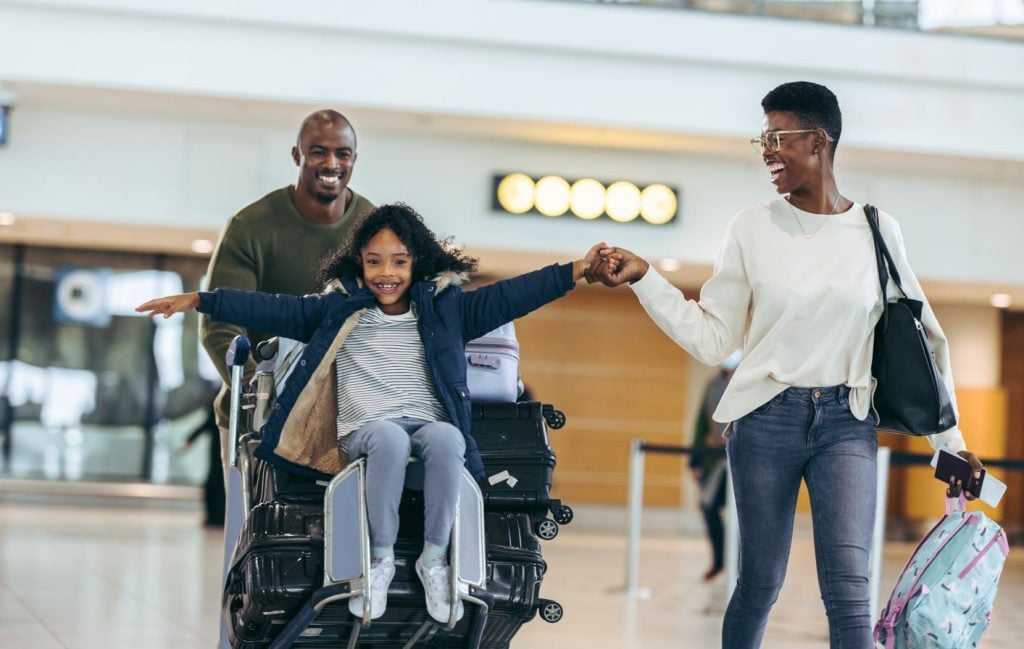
(492, 306)
(281, 315)
(169, 305)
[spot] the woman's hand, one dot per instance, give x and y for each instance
(618, 266)
(955, 486)
(170, 305)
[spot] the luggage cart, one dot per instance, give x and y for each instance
(324, 619)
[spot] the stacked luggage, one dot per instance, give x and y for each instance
(276, 592)
(519, 461)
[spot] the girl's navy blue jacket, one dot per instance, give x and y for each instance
(300, 434)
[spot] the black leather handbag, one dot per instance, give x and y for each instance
(910, 397)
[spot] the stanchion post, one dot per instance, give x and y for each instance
(636, 503)
(878, 536)
(732, 538)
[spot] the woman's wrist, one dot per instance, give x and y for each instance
(644, 267)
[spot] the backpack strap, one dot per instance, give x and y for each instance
(951, 503)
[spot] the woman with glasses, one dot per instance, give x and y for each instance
(796, 286)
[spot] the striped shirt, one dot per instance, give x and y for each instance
(382, 373)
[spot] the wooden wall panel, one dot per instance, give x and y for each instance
(1012, 378)
(597, 357)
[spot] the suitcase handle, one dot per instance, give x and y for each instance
(483, 360)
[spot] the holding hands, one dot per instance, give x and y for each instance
(170, 305)
(581, 268)
(614, 266)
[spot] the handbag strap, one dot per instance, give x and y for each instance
(882, 252)
(884, 260)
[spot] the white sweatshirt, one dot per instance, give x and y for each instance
(803, 309)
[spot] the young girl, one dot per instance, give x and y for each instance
(389, 335)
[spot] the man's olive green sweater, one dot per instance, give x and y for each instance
(268, 247)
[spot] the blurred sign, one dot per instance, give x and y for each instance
(5, 124)
(80, 296)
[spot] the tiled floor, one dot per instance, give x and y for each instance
(136, 578)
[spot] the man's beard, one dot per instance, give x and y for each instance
(327, 199)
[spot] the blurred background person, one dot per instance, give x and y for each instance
(213, 487)
(709, 468)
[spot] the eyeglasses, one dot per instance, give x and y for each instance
(772, 141)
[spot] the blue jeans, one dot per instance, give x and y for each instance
(803, 434)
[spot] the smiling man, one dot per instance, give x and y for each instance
(275, 244)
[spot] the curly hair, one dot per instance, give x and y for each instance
(430, 255)
(813, 104)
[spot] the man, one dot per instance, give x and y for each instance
(709, 468)
(276, 244)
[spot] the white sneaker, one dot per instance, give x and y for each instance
(437, 589)
(381, 575)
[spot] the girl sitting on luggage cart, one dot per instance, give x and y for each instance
(388, 334)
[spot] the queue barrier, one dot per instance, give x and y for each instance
(886, 458)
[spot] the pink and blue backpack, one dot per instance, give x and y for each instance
(943, 599)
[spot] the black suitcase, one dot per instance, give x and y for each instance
(519, 461)
(278, 562)
(278, 565)
(515, 570)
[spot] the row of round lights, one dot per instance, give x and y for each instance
(587, 198)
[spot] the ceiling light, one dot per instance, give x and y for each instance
(658, 204)
(515, 193)
(551, 196)
(202, 246)
(670, 265)
(623, 201)
(7, 218)
(1000, 300)
(587, 199)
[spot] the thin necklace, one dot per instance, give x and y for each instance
(796, 218)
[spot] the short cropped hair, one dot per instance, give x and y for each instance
(325, 116)
(813, 104)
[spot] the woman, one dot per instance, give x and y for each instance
(796, 284)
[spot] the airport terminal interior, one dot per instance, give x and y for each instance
(131, 131)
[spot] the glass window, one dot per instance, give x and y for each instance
(6, 321)
(100, 391)
(188, 383)
(6, 284)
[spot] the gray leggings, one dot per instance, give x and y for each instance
(387, 446)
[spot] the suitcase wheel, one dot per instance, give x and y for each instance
(563, 514)
(555, 418)
(547, 529)
(550, 611)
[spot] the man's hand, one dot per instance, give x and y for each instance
(170, 305)
(618, 266)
